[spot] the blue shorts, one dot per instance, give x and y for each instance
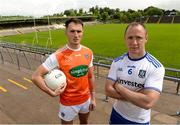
(116, 118)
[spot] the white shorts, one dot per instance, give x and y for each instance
(68, 113)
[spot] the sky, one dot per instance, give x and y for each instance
(38, 8)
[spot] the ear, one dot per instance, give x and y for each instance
(146, 37)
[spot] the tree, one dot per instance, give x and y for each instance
(124, 18)
(151, 11)
(105, 16)
(70, 12)
(135, 15)
(130, 11)
(178, 13)
(80, 12)
(117, 15)
(94, 10)
(117, 10)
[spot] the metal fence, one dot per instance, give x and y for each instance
(30, 57)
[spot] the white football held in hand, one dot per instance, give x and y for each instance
(54, 79)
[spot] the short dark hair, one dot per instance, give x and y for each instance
(74, 20)
(135, 24)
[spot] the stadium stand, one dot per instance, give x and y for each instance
(159, 19)
(58, 26)
(9, 32)
(29, 22)
(142, 19)
(10, 24)
(46, 28)
(153, 19)
(42, 28)
(166, 19)
(23, 26)
(176, 19)
(25, 30)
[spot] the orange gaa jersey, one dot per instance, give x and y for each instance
(75, 64)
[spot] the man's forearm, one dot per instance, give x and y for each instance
(143, 100)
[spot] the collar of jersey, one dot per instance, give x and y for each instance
(74, 49)
(137, 58)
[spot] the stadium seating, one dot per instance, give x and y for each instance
(176, 19)
(166, 19)
(142, 19)
(25, 30)
(8, 32)
(159, 19)
(153, 19)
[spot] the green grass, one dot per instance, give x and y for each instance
(107, 40)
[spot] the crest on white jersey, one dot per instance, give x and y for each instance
(142, 73)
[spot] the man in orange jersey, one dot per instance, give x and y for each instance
(76, 61)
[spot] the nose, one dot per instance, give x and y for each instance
(75, 33)
(134, 41)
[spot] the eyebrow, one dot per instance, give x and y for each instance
(130, 37)
(76, 31)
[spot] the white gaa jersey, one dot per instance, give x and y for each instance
(135, 74)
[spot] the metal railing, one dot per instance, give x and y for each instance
(26, 48)
(171, 73)
(99, 61)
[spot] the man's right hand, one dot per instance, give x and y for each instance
(60, 89)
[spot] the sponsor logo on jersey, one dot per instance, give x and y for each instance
(79, 71)
(130, 83)
(131, 66)
(142, 73)
(78, 55)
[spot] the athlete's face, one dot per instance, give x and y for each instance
(135, 38)
(74, 33)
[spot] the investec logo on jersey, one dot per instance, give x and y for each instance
(79, 71)
(129, 83)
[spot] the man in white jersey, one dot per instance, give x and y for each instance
(135, 79)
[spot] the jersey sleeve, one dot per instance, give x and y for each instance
(155, 80)
(91, 63)
(112, 75)
(51, 62)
